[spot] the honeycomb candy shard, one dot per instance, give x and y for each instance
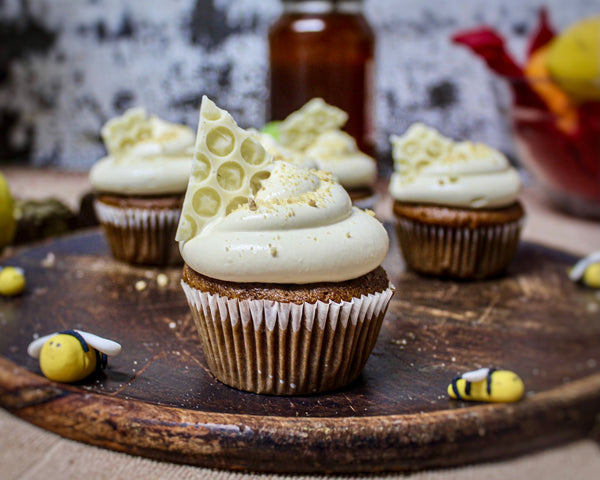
(121, 133)
(227, 168)
(301, 127)
(138, 135)
(419, 147)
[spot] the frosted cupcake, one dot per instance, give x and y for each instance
(456, 205)
(140, 186)
(315, 132)
(283, 276)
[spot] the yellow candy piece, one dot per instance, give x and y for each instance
(227, 168)
(12, 281)
(7, 218)
(63, 359)
(487, 385)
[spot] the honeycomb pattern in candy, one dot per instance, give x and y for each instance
(301, 127)
(227, 169)
(419, 147)
(121, 133)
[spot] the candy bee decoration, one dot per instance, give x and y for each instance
(72, 355)
(587, 271)
(487, 385)
(12, 281)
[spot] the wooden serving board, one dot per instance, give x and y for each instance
(158, 399)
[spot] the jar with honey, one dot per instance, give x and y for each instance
(324, 49)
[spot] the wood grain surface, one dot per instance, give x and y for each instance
(157, 398)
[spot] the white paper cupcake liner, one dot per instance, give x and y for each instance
(141, 236)
(282, 348)
(458, 251)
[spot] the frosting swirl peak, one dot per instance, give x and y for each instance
(147, 156)
(293, 226)
(300, 228)
(431, 168)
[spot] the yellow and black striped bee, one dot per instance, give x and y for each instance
(72, 355)
(487, 385)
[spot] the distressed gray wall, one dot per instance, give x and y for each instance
(67, 66)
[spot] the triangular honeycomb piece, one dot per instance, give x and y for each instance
(228, 167)
(301, 127)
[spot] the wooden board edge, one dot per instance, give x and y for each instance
(304, 445)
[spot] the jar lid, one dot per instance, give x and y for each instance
(322, 6)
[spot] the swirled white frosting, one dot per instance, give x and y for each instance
(430, 168)
(147, 156)
(300, 228)
(335, 151)
(313, 134)
(279, 152)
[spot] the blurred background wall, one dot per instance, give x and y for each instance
(67, 66)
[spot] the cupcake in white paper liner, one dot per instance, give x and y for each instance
(456, 205)
(140, 186)
(271, 347)
(141, 236)
(459, 252)
(282, 274)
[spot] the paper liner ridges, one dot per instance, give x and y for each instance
(458, 252)
(284, 348)
(140, 236)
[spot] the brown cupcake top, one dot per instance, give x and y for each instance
(373, 282)
(458, 217)
(141, 201)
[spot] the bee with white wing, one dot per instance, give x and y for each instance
(72, 355)
(587, 270)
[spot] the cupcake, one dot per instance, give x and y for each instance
(140, 186)
(282, 274)
(314, 132)
(455, 203)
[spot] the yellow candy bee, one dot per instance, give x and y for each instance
(72, 355)
(587, 271)
(12, 281)
(487, 385)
